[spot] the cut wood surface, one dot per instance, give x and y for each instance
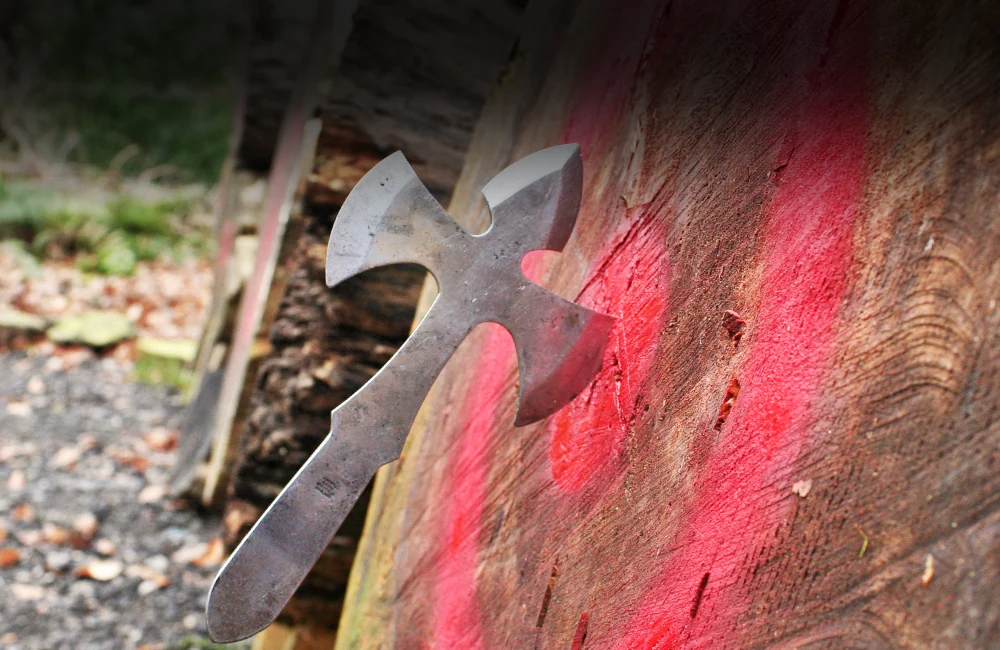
(792, 210)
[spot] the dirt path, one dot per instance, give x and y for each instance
(91, 553)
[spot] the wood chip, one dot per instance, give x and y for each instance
(802, 488)
(101, 570)
(928, 575)
(9, 557)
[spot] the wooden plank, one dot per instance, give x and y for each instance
(829, 173)
(293, 157)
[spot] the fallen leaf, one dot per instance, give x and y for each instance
(27, 592)
(928, 575)
(213, 556)
(19, 409)
(8, 639)
(802, 488)
(101, 570)
(23, 513)
(66, 458)
(127, 458)
(202, 554)
(17, 450)
(9, 557)
(152, 493)
(36, 386)
(31, 538)
(161, 439)
(147, 587)
(3, 534)
(17, 481)
(55, 535)
(85, 524)
(105, 547)
(148, 575)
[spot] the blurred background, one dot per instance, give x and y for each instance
(115, 119)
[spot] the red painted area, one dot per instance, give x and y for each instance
(457, 621)
(825, 116)
(628, 281)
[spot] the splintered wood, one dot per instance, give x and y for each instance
(821, 178)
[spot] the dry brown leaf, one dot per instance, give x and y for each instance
(146, 574)
(23, 513)
(213, 555)
(127, 458)
(105, 547)
(19, 409)
(36, 386)
(161, 439)
(66, 458)
(152, 493)
(101, 570)
(17, 481)
(56, 535)
(30, 538)
(3, 534)
(9, 557)
(17, 450)
(85, 524)
(8, 639)
(27, 592)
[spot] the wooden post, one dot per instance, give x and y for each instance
(792, 210)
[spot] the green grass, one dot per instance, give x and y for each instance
(107, 238)
(154, 79)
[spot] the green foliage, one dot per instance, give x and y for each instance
(153, 78)
(110, 237)
(163, 371)
(95, 328)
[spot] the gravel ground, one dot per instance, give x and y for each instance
(75, 442)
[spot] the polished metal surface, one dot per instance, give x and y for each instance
(391, 218)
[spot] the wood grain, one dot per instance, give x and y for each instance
(830, 172)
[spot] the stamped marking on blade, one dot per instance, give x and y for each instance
(327, 487)
(390, 218)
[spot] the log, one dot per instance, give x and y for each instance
(325, 344)
(792, 210)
